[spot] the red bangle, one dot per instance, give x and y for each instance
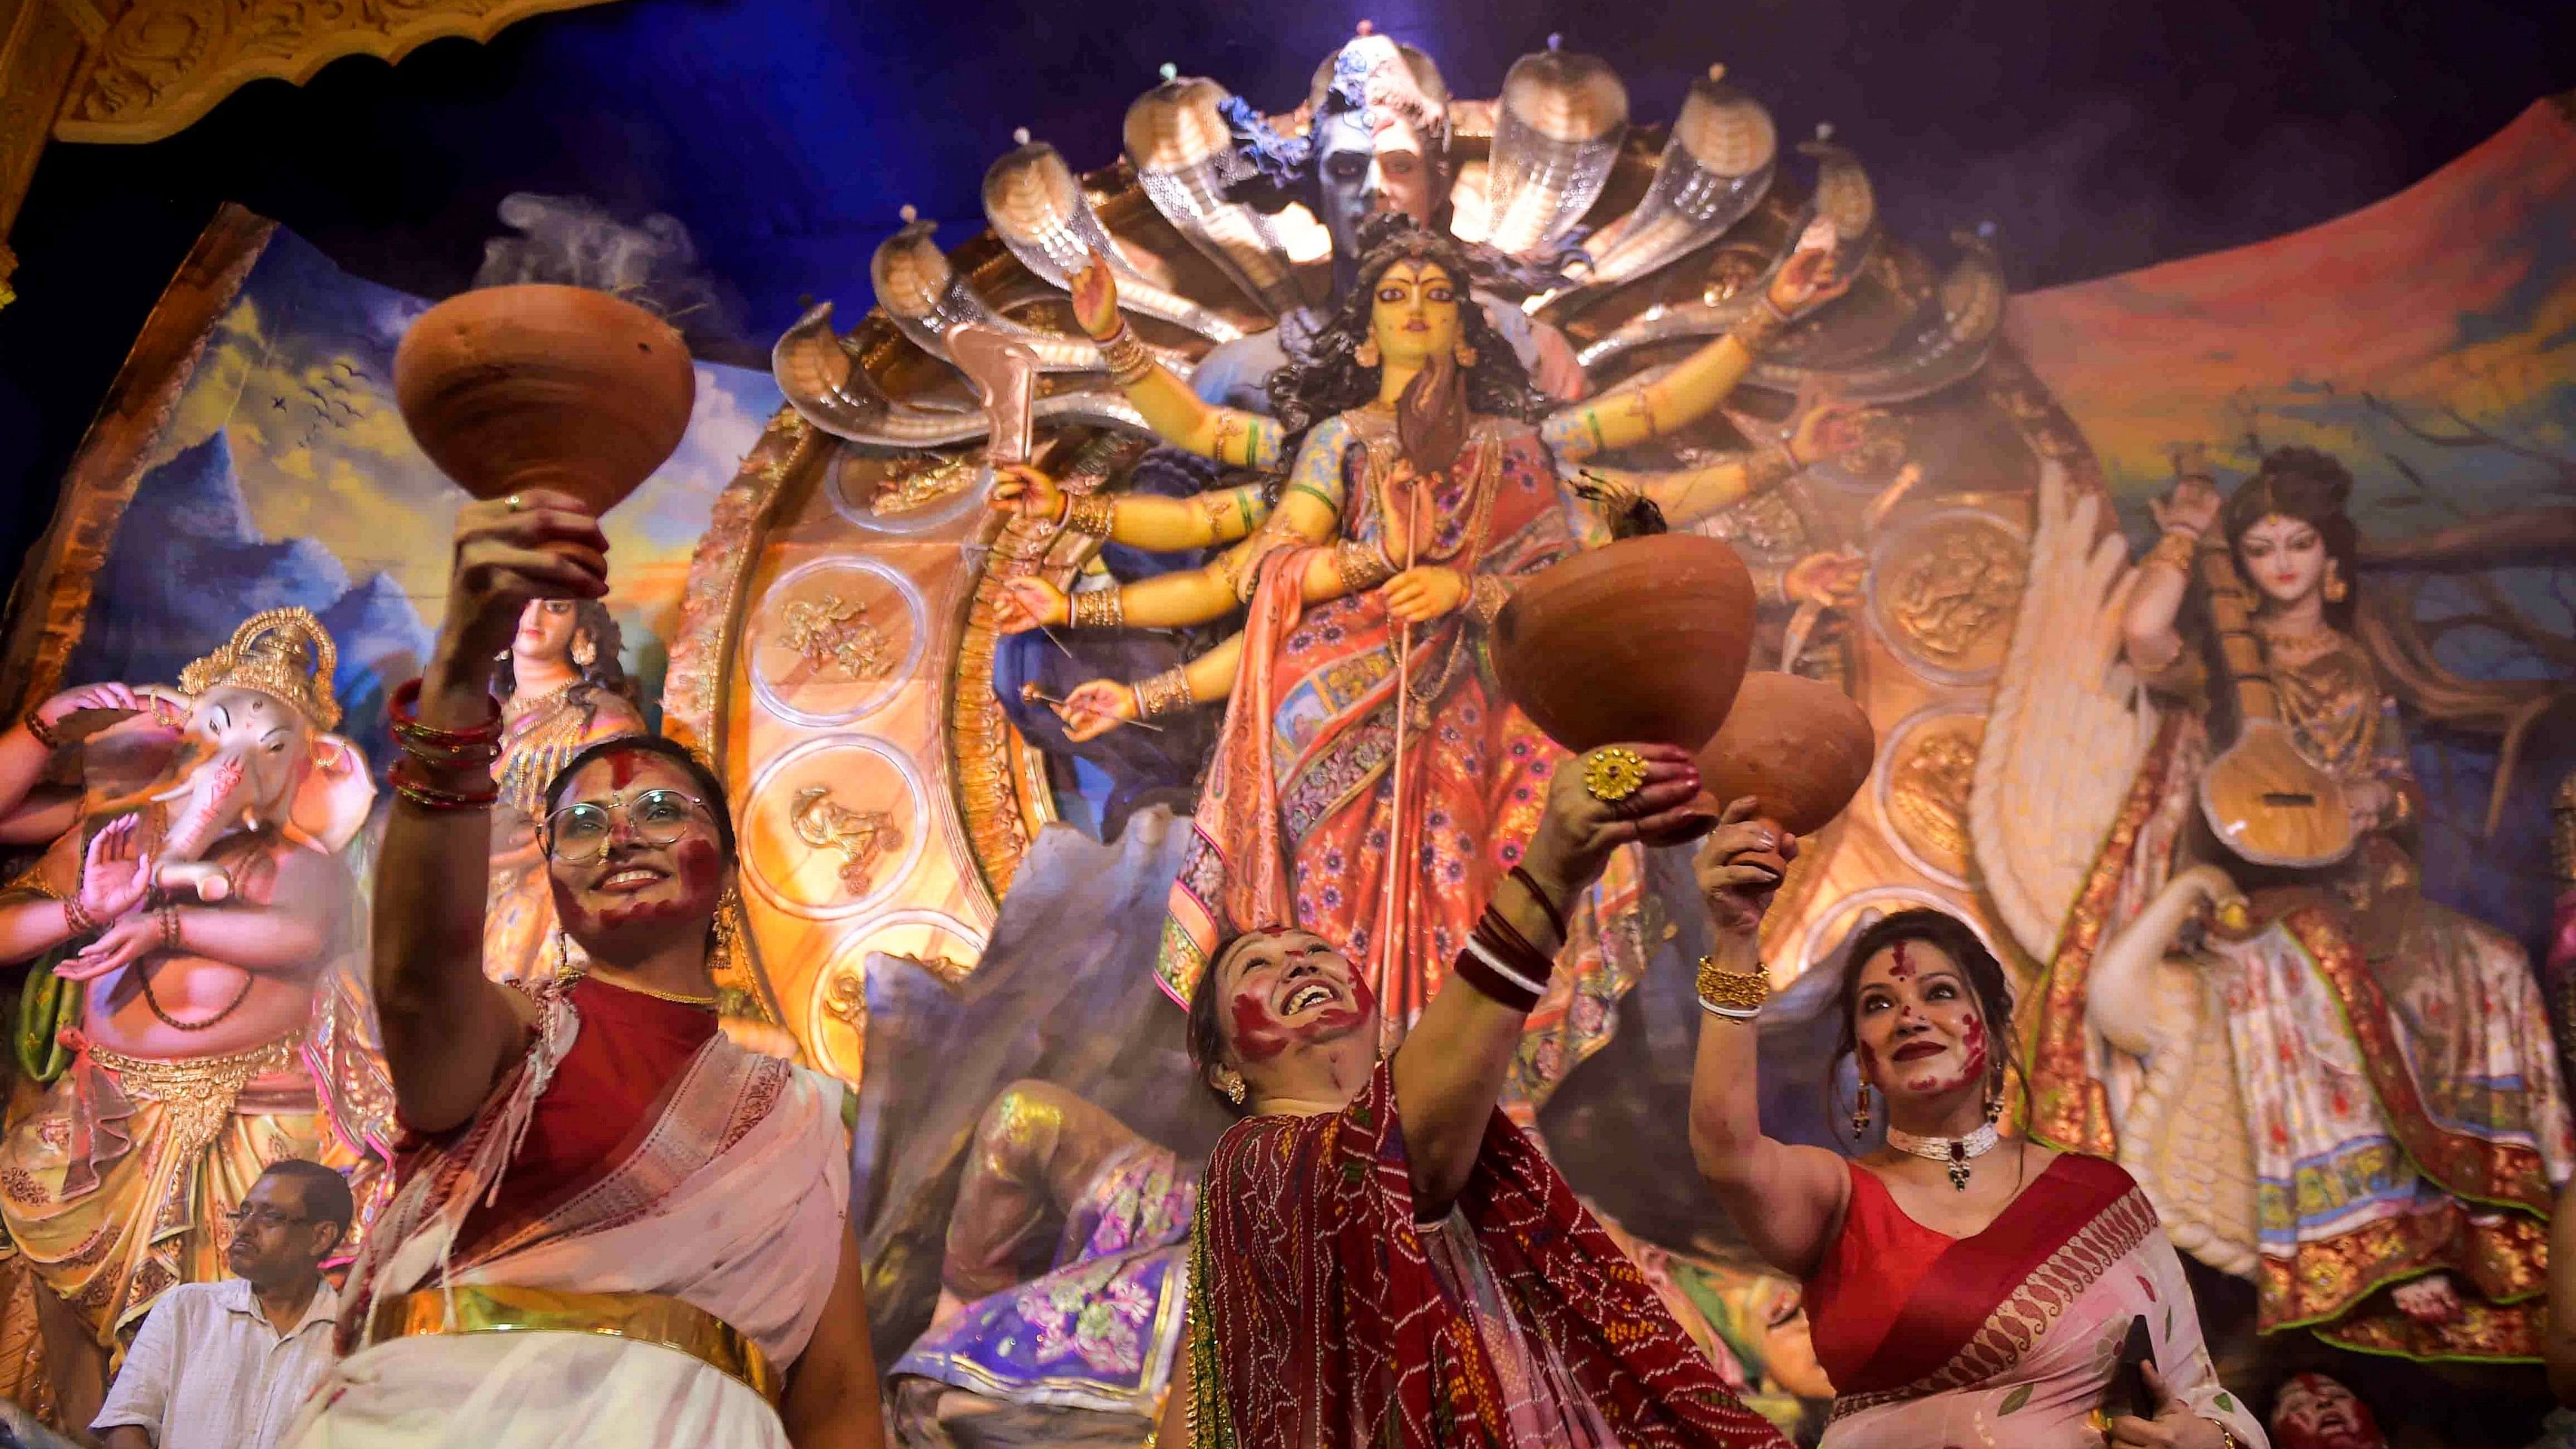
(407, 776)
(1555, 917)
(77, 916)
(443, 749)
(1506, 941)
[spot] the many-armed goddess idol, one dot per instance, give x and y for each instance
(1371, 582)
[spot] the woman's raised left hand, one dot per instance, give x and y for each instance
(1579, 829)
(2175, 1426)
(1420, 595)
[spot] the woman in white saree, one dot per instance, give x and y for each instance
(614, 1226)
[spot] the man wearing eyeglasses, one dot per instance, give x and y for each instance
(225, 1365)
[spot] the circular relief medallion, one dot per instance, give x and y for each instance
(1924, 773)
(1943, 591)
(834, 639)
(834, 826)
(836, 1018)
(905, 494)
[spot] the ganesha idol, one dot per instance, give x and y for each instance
(195, 899)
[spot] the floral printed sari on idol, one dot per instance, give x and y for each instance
(1295, 816)
(2006, 1339)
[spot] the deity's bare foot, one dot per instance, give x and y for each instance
(2429, 1300)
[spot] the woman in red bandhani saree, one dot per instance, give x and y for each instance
(1380, 1257)
(1965, 1287)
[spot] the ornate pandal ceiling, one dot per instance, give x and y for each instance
(130, 71)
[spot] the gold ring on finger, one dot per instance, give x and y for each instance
(515, 503)
(1612, 775)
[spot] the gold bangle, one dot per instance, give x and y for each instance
(1126, 356)
(1164, 693)
(1486, 596)
(1093, 514)
(1768, 467)
(2175, 551)
(1734, 994)
(1100, 608)
(1761, 327)
(1362, 566)
(43, 732)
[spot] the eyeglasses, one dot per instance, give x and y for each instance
(263, 1218)
(579, 834)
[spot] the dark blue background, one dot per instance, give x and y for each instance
(785, 133)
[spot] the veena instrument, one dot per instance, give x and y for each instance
(2263, 799)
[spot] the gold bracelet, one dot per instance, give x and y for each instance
(1100, 608)
(1164, 693)
(2175, 551)
(43, 732)
(1736, 995)
(1768, 467)
(1363, 566)
(1093, 514)
(1761, 327)
(1486, 596)
(1126, 356)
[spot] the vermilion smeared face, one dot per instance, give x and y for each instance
(1917, 1024)
(1290, 990)
(637, 894)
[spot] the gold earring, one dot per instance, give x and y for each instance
(1860, 1113)
(585, 653)
(1466, 355)
(2336, 589)
(1365, 354)
(1234, 1091)
(563, 955)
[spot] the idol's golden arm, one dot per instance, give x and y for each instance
(1628, 416)
(1158, 524)
(1181, 418)
(1685, 495)
(1787, 1200)
(1195, 596)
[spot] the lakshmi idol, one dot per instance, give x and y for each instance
(613, 1225)
(1372, 582)
(1965, 1287)
(561, 690)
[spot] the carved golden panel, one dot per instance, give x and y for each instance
(163, 63)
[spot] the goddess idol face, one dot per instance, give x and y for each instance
(1414, 313)
(2284, 556)
(1369, 162)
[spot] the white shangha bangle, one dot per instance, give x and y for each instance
(1731, 1013)
(1534, 988)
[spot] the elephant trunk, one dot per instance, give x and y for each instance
(211, 791)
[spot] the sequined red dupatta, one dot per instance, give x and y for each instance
(1316, 1319)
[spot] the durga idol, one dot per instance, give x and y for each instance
(1373, 580)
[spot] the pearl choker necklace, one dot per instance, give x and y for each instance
(1956, 1151)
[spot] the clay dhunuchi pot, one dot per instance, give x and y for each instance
(513, 388)
(1800, 746)
(1643, 640)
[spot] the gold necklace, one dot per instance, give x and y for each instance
(639, 988)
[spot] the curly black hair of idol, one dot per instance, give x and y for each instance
(1330, 378)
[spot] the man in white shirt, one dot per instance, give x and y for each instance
(225, 1365)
